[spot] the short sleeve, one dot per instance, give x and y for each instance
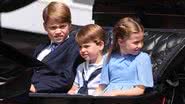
(76, 83)
(104, 79)
(144, 69)
(78, 75)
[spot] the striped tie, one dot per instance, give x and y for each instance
(53, 46)
(84, 88)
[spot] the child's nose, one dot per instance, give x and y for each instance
(140, 45)
(58, 30)
(82, 49)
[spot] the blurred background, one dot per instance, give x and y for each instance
(23, 29)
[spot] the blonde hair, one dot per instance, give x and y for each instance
(123, 28)
(57, 11)
(90, 32)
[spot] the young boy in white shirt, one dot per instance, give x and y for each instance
(91, 39)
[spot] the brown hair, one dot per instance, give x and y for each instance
(123, 28)
(57, 11)
(90, 32)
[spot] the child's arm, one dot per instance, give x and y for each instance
(73, 90)
(100, 89)
(138, 90)
(33, 89)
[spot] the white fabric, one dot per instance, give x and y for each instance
(44, 53)
(89, 69)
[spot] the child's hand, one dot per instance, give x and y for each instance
(99, 90)
(32, 88)
(107, 94)
(111, 93)
(98, 93)
(71, 92)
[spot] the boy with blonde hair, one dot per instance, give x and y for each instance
(91, 39)
(60, 54)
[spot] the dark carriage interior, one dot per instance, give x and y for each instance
(164, 21)
(152, 13)
(167, 15)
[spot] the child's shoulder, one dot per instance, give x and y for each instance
(105, 55)
(143, 55)
(81, 66)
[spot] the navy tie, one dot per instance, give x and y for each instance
(53, 46)
(84, 88)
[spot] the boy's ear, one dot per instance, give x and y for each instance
(101, 44)
(121, 41)
(70, 27)
(45, 26)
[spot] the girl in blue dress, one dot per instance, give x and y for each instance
(127, 71)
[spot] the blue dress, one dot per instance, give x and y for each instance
(125, 72)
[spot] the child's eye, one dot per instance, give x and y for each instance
(136, 42)
(52, 27)
(63, 26)
(86, 46)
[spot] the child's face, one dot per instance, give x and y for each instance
(91, 51)
(57, 32)
(132, 44)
